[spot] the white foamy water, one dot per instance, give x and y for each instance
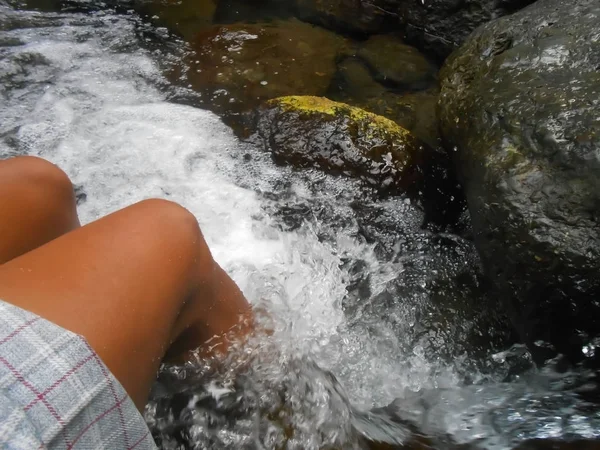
(82, 92)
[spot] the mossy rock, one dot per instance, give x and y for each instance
(309, 131)
(241, 65)
(396, 64)
(184, 17)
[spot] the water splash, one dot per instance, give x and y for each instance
(366, 308)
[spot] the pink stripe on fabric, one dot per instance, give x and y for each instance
(112, 389)
(97, 419)
(139, 441)
(18, 330)
(29, 386)
(58, 382)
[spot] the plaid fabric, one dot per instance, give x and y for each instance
(56, 393)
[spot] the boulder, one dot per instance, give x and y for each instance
(241, 65)
(436, 26)
(414, 110)
(396, 64)
(309, 131)
(356, 16)
(439, 26)
(354, 81)
(520, 102)
(232, 11)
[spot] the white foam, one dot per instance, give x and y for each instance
(98, 116)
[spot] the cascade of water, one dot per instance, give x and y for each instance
(351, 282)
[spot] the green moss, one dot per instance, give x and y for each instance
(310, 105)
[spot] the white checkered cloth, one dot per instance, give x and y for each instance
(56, 393)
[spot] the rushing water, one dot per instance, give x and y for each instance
(367, 309)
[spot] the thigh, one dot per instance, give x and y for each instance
(120, 282)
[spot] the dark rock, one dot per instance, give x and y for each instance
(317, 132)
(232, 11)
(184, 17)
(556, 444)
(521, 103)
(354, 82)
(416, 111)
(341, 139)
(396, 64)
(436, 26)
(241, 65)
(439, 26)
(356, 16)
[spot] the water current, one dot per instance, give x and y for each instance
(382, 330)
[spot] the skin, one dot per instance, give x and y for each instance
(139, 284)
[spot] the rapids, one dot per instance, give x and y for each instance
(368, 309)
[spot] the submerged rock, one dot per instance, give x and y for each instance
(416, 111)
(354, 81)
(244, 64)
(184, 17)
(521, 103)
(396, 64)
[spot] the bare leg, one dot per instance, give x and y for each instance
(132, 283)
(37, 204)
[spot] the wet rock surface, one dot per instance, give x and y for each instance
(347, 15)
(396, 64)
(440, 26)
(184, 17)
(414, 110)
(308, 131)
(437, 26)
(521, 103)
(244, 64)
(317, 132)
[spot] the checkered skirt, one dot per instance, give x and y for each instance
(56, 393)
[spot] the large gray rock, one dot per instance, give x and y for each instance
(521, 102)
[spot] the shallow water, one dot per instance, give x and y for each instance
(368, 309)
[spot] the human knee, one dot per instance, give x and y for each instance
(52, 186)
(176, 226)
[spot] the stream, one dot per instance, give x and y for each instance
(382, 331)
